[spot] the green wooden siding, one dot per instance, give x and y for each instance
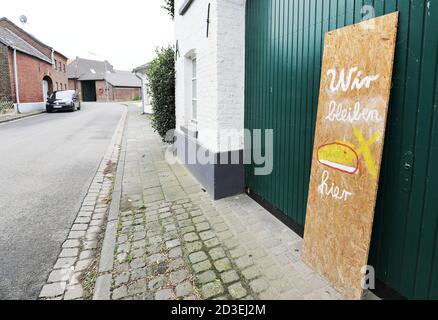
(284, 42)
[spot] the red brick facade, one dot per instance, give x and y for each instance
(74, 84)
(116, 94)
(101, 93)
(31, 72)
(127, 94)
(60, 72)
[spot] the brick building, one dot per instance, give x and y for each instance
(35, 67)
(99, 81)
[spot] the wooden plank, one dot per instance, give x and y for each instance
(349, 140)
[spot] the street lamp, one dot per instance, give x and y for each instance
(106, 72)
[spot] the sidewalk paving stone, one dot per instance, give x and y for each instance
(174, 242)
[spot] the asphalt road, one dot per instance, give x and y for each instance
(47, 164)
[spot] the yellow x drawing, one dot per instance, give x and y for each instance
(364, 149)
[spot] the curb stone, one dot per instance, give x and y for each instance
(102, 289)
(109, 242)
(15, 117)
(107, 256)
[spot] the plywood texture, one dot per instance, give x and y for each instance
(350, 130)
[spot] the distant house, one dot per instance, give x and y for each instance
(99, 81)
(125, 86)
(141, 73)
(29, 69)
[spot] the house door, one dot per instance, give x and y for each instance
(45, 90)
(89, 91)
(284, 43)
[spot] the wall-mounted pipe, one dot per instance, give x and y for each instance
(142, 91)
(17, 89)
(185, 6)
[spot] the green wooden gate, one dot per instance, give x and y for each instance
(284, 43)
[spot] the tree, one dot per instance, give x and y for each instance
(169, 6)
(161, 76)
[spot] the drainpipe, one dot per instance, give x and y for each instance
(17, 89)
(142, 90)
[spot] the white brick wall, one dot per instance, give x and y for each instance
(220, 69)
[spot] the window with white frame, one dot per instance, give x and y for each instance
(194, 92)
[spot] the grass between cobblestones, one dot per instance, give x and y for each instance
(168, 250)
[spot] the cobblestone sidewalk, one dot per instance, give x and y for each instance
(174, 242)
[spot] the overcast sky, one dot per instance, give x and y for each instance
(124, 32)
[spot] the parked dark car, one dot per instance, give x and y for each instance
(63, 100)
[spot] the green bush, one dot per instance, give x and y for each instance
(161, 88)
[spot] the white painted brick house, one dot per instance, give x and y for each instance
(210, 73)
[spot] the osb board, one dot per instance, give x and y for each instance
(349, 139)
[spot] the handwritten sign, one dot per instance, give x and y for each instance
(351, 121)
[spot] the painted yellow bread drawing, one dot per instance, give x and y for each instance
(340, 157)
